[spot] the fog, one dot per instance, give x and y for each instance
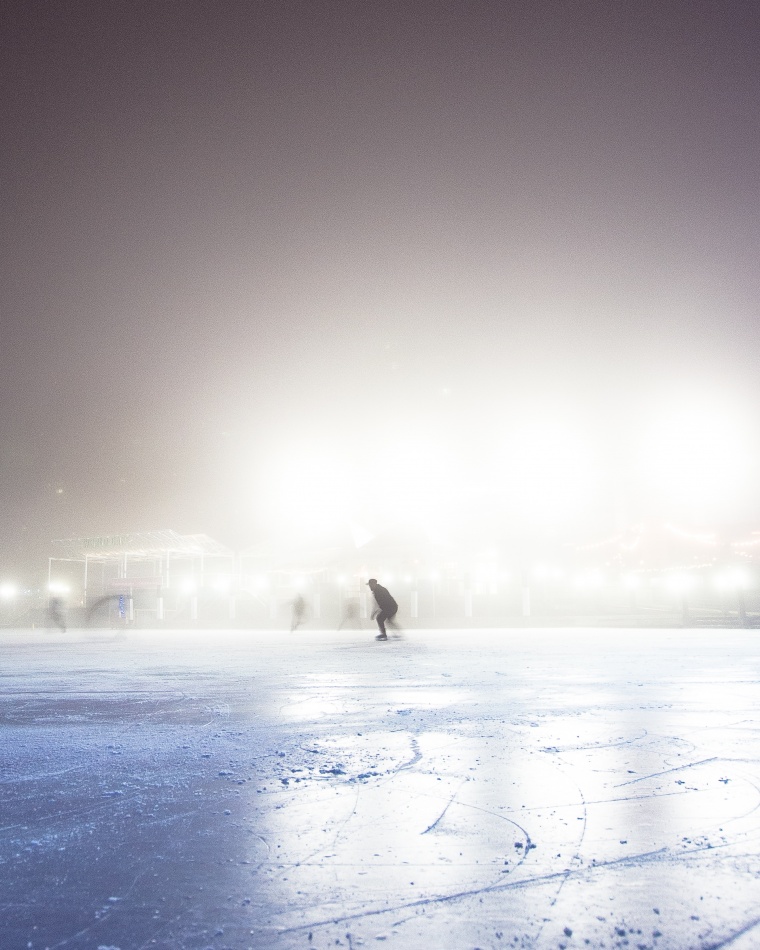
(281, 267)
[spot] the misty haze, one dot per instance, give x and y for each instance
(318, 317)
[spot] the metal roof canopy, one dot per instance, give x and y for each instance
(143, 544)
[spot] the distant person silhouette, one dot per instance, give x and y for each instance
(386, 607)
(96, 607)
(299, 612)
(350, 614)
(55, 613)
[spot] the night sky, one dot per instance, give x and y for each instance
(278, 264)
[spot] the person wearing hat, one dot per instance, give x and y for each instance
(386, 607)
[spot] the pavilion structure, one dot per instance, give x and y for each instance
(151, 571)
(649, 573)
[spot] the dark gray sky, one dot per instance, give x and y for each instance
(248, 242)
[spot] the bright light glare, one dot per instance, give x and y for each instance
(546, 472)
(221, 583)
(58, 587)
(414, 480)
(680, 583)
(589, 580)
(309, 491)
(694, 457)
(534, 468)
(8, 590)
(732, 579)
(187, 585)
(547, 572)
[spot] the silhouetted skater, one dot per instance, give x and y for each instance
(350, 613)
(99, 604)
(299, 611)
(386, 607)
(55, 613)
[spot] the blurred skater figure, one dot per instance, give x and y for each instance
(299, 612)
(350, 614)
(55, 614)
(101, 608)
(386, 607)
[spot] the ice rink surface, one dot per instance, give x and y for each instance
(450, 789)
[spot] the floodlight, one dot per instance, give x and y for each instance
(8, 590)
(58, 587)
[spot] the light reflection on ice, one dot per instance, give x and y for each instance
(439, 792)
(346, 699)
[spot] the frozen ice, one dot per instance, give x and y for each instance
(452, 789)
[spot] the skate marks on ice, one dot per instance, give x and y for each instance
(665, 862)
(394, 806)
(413, 800)
(505, 851)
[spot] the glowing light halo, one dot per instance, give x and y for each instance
(679, 582)
(546, 472)
(518, 468)
(732, 578)
(415, 479)
(306, 489)
(694, 457)
(8, 590)
(589, 580)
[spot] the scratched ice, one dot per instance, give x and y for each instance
(534, 789)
